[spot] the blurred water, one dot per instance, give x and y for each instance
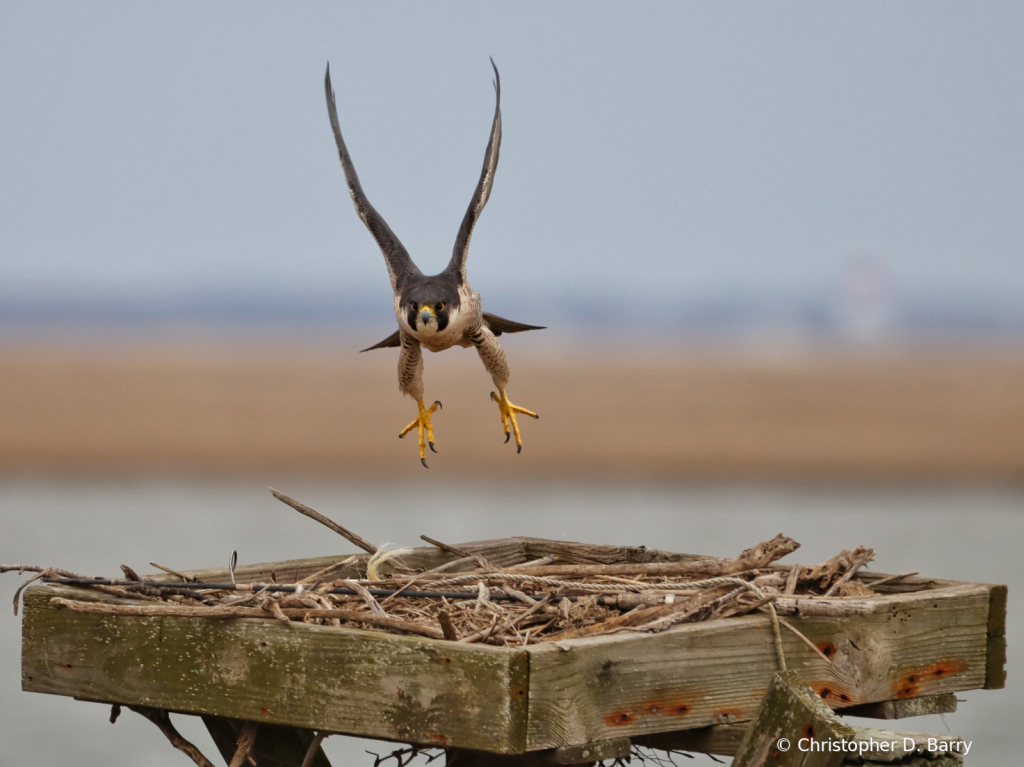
(969, 533)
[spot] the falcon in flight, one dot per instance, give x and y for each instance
(439, 311)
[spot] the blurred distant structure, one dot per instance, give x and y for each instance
(866, 311)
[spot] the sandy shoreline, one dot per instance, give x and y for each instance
(327, 410)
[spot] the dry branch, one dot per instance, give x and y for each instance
(162, 719)
(302, 508)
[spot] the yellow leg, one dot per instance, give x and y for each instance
(508, 417)
(423, 422)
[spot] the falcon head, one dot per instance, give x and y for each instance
(430, 308)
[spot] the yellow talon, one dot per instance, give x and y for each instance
(423, 422)
(508, 417)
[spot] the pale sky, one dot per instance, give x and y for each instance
(169, 148)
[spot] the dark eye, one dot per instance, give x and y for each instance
(415, 306)
(439, 308)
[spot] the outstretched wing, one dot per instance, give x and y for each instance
(457, 265)
(394, 339)
(499, 325)
(395, 255)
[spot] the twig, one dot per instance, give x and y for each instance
(447, 627)
(186, 578)
(302, 508)
(314, 747)
(483, 634)
(805, 640)
(162, 719)
(246, 740)
(330, 570)
(858, 558)
(484, 564)
(372, 603)
(791, 581)
(891, 579)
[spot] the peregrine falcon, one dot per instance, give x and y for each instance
(439, 311)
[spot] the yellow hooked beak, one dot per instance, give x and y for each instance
(426, 314)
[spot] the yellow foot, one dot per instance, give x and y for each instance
(423, 422)
(508, 417)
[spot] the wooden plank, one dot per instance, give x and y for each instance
(275, 746)
(792, 713)
(903, 709)
(695, 675)
(502, 552)
(317, 677)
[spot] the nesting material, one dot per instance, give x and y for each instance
(472, 600)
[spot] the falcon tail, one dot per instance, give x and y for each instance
(498, 325)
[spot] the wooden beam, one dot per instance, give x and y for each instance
(790, 715)
(275, 746)
(695, 675)
(364, 683)
(902, 709)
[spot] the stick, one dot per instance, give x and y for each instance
(302, 508)
(484, 564)
(891, 579)
(311, 752)
(806, 641)
(186, 578)
(791, 581)
(330, 570)
(447, 627)
(372, 603)
(246, 740)
(183, 611)
(162, 719)
(859, 557)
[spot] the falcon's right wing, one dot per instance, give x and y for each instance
(397, 257)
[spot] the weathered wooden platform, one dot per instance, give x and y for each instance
(917, 639)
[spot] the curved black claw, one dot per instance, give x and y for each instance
(494, 396)
(432, 446)
(424, 462)
(519, 449)
(508, 436)
(439, 405)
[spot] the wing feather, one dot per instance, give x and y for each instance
(396, 256)
(499, 325)
(457, 265)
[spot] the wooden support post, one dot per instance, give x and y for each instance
(275, 746)
(791, 714)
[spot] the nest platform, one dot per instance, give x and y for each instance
(902, 650)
